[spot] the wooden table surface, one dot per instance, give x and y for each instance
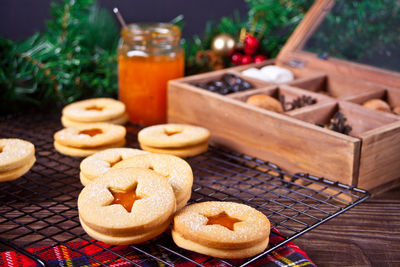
(367, 235)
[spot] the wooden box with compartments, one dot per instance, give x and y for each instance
(324, 126)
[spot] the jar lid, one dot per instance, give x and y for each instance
(151, 34)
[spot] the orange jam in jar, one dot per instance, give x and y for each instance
(149, 55)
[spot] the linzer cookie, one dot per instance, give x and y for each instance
(179, 152)
(85, 152)
(221, 229)
(70, 123)
(85, 140)
(173, 135)
(181, 140)
(106, 110)
(16, 158)
(97, 164)
(126, 206)
(175, 170)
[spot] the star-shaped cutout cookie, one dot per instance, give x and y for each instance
(222, 219)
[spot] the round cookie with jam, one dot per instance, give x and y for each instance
(99, 163)
(175, 170)
(16, 158)
(15, 153)
(179, 152)
(85, 152)
(221, 229)
(126, 206)
(94, 110)
(90, 135)
(119, 120)
(85, 140)
(173, 135)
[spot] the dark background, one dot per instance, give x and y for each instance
(19, 19)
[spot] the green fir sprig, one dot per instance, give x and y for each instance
(74, 58)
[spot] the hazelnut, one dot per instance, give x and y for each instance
(377, 104)
(265, 102)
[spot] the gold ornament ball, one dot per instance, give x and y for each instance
(223, 44)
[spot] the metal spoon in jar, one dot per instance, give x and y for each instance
(119, 17)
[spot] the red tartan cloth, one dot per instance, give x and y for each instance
(93, 253)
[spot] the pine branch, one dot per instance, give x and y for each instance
(74, 58)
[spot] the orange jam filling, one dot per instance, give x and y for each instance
(94, 108)
(222, 219)
(172, 130)
(171, 133)
(125, 198)
(91, 132)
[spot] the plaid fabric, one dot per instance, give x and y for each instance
(61, 255)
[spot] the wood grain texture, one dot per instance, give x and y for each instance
(380, 156)
(297, 146)
(314, 83)
(363, 97)
(367, 235)
(337, 86)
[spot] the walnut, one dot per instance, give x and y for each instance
(265, 102)
(377, 104)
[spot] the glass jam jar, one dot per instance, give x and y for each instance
(149, 55)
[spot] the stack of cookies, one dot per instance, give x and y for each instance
(126, 206)
(181, 140)
(16, 158)
(86, 139)
(131, 196)
(131, 200)
(92, 126)
(103, 110)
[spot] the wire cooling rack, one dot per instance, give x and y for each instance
(40, 208)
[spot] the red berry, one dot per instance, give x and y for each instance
(250, 44)
(236, 58)
(259, 58)
(246, 59)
